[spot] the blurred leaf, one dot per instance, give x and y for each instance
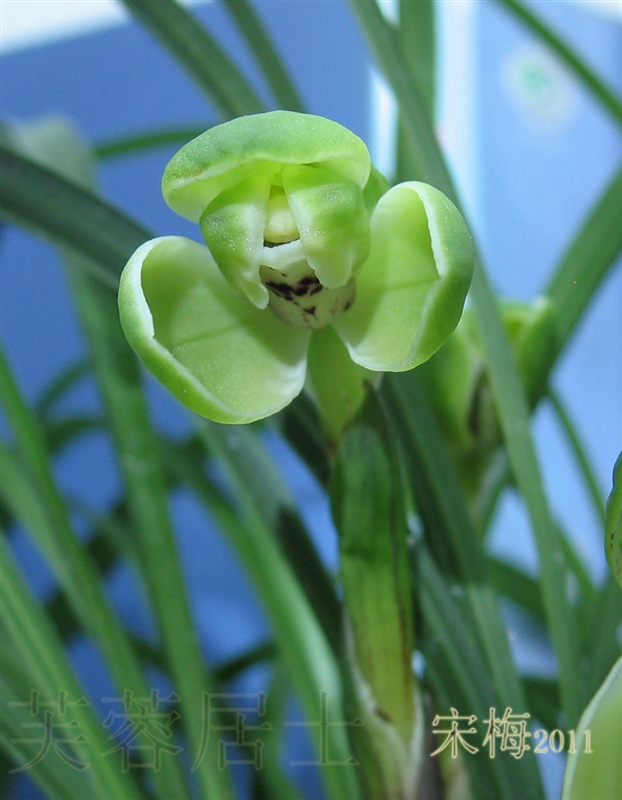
(299, 423)
(460, 678)
(62, 383)
(594, 766)
(270, 781)
(62, 433)
(119, 379)
(266, 55)
(258, 488)
(57, 210)
(580, 454)
(148, 140)
(517, 586)
(43, 659)
(416, 39)
(613, 523)
(196, 51)
(589, 256)
(252, 528)
(457, 550)
(409, 93)
(513, 412)
(29, 490)
(543, 698)
(55, 776)
(601, 631)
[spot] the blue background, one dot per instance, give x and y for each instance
(537, 174)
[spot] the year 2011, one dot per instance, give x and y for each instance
(555, 741)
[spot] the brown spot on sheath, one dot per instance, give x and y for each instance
(348, 305)
(311, 310)
(316, 289)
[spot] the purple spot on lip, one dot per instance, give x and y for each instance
(282, 289)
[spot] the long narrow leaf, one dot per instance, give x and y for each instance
(138, 453)
(256, 479)
(452, 540)
(415, 36)
(195, 50)
(602, 631)
(513, 411)
(410, 96)
(589, 256)
(45, 662)
(30, 490)
(139, 142)
(266, 55)
(118, 376)
(458, 673)
(506, 386)
(580, 455)
(54, 775)
(61, 384)
(303, 646)
(57, 210)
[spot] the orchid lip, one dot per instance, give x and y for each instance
(297, 297)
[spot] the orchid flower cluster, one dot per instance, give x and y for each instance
(315, 273)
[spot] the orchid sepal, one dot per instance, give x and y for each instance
(213, 350)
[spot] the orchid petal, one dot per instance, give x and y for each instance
(233, 228)
(332, 220)
(217, 353)
(411, 290)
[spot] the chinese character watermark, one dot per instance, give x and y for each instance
(143, 730)
(52, 731)
(229, 713)
(455, 736)
(324, 724)
(508, 733)
(511, 729)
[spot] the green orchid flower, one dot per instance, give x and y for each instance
(313, 275)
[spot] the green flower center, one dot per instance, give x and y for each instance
(296, 295)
